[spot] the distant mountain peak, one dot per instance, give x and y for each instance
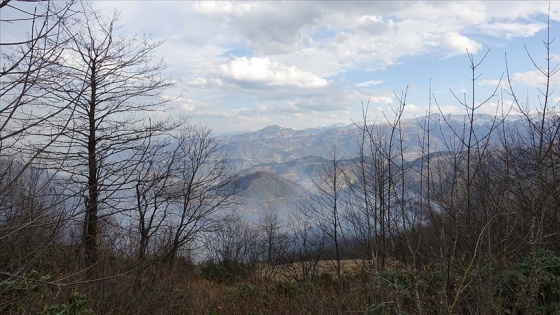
(274, 129)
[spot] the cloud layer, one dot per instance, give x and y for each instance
(301, 63)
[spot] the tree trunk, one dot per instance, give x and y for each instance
(91, 228)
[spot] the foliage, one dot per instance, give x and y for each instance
(77, 305)
(225, 271)
(28, 282)
(512, 284)
(246, 291)
(288, 288)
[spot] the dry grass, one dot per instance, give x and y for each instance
(297, 271)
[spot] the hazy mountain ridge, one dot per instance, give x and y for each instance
(263, 185)
(275, 144)
(276, 164)
(264, 191)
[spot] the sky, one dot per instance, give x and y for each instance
(241, 66)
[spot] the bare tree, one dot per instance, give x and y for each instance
(380, 174)
(273, 236)
(533, 165)
(235, 246)
(25, 111)
(386, 169)
(273, 239)
(361, 215)
(324, 209)
(33, 214)
(152, 182)
(201, 188)
(32, 217)
(305, 247)
(113, 83)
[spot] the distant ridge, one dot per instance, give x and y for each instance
(276, 164)
(261, 185)
(276, 144)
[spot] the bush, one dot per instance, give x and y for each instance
(512, 284)
(77, 305)
(224, 272)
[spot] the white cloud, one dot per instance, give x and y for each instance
(490, 82)
(512, 30)
(520, 10)
(262, 71)
(204, 83)
(497, 108)
(451, 109)
(317, 60)
(224, 7)
(534, 78)
(275, 29)
(369, 83)
(189, 105)
(461, 13)
(460, 44)
(375, 25)
(385, 100)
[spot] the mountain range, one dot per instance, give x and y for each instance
(276, 164)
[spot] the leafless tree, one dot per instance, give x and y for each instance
(273, 240)
(113, 82)
(152, 182)
(380, 170)
(273, 236)
(451, 181)
(25, 63)
(361, 215)
(25, 111)
(33, 213)
(532, 165)
(32, 217)
(201, 188)
(324, 208)
(305, 247)
(235, 245)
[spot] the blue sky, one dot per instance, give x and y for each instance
(241, 66)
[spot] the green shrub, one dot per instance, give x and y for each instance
(288, 288)
(512, 284)
(246, 290)
(24, 284)
(224, 272)
(77, 305)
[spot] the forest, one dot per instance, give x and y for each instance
(109, 206)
